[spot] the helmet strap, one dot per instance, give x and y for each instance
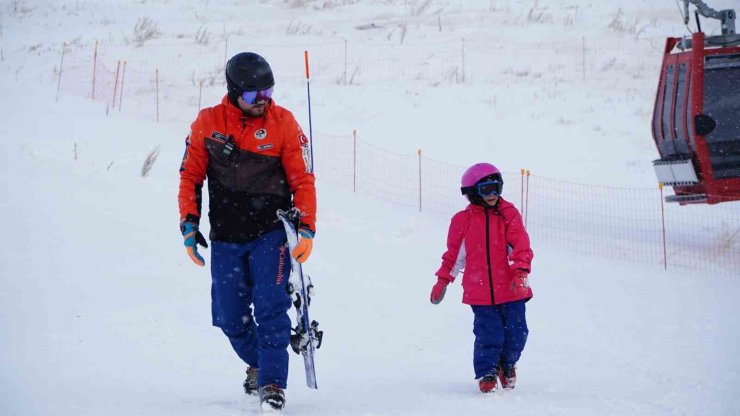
(233, 98)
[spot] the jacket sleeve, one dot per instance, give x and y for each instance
(517, 239)
(453, 260)
(296, 159)
(192, 174)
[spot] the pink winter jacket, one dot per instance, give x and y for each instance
(490, 244)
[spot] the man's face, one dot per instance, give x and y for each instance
(253, 110)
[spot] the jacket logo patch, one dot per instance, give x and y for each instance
(265, 146)
(306, 153)
(307, 159)
(218, 136)
(260, 134)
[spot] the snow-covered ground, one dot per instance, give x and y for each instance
(102, 313)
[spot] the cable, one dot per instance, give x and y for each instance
(684, 19)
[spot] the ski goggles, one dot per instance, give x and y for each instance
(251, 97)
(489, 188)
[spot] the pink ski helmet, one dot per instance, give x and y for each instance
(480, 172)
(477, 172)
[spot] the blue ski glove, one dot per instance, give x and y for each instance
(193, 237)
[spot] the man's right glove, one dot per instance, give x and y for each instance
(305, 245)
(439, 289)
(193, 237)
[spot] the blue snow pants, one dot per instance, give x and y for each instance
(254, 273)
(500, 334)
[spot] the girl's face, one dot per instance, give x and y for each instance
(490, 200)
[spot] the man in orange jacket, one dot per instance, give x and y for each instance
(257, 160)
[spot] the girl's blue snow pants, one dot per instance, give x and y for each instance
(500, 334)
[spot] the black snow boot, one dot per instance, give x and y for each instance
(250, 384)
(272, 398)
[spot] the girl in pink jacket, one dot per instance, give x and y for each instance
(489, 241)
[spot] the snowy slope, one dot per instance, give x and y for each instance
(101, 311)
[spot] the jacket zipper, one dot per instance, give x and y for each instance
(488, 255)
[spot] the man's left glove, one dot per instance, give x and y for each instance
(193, 237)
(305, 244)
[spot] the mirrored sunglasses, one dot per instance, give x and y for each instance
(251, 97)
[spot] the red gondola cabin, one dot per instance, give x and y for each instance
(696, 120)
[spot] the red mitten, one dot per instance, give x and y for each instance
(439, 289)
(521, 278)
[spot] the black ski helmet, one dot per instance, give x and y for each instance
(247, 71)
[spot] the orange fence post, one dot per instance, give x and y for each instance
(61, 65)
(463, 60)
(354, 160)
(120, 96)
(156, 80)
(583, 49)
(521, 197)
(526, 202)
(115, 85)
(200, 94)
(310, 125)
(95, 66)
(344, 76)
(419, 180)
(662, 215)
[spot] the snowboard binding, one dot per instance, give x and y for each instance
(299, 339)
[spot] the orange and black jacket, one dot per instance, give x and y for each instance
(254, 166)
